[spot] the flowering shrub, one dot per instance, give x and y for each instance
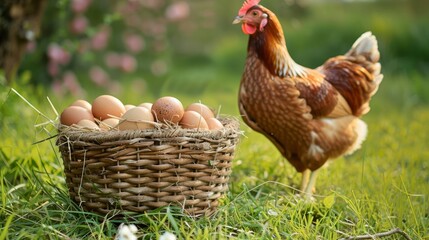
(103, 42)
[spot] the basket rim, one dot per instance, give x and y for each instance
(230, 129)
(142, 170)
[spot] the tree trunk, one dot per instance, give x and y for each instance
(19, 24)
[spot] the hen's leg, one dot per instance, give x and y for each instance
(304, 180)
(311, 185)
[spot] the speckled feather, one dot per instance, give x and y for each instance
(310, 115)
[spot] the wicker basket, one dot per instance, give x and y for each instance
(136, 171)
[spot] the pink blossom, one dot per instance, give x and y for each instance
(72, 84)
(128, 63)
(134, 43)
(58, 54)
(53, 69)
(31, 46)
(80, 6)
(153, 4)
(113, 60)
(115, 88)
(65, 59)
(100, 39)
(79, 24)
(57, 88)
(159, 67)
(127, 8)
(98, 75)
(177, 11)
(133, 20)
(154, 27)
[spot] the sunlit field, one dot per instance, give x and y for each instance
(381, 187)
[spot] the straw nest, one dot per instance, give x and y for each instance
(136, 171)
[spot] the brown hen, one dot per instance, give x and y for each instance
(310, 115)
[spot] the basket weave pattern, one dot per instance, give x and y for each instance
(136, 171)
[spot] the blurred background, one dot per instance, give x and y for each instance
(143, 49)
(139, 50)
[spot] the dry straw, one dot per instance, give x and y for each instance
(130, 172)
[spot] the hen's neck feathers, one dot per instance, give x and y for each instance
(270, 46)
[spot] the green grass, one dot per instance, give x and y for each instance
(383, 186)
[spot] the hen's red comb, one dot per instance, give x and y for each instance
(246, 6)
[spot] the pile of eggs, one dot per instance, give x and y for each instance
(108, 113)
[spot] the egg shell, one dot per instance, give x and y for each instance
(109, 124)
(168, 110)
(202, 109)
(73, 114)
(136, 118)
(82, 103)
(128, 106)
(214, 124)
(146, 105)
(193, 120)
(85, 123)
(106, 106)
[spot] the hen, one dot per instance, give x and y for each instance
(310, 115)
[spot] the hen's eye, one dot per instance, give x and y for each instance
(255, 13)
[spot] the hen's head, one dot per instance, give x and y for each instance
(252, 16)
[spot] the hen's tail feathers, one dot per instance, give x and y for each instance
(366, 46)
(365, 52)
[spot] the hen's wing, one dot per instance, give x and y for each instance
(321, 96)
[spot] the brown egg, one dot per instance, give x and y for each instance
(192, 119)
(88, 124)
(168, 109)
(214, 124)
(146, 105)
(128, 106)
(109, 124)
(106, 106)
(201, 109)
(136, 118)
(82, 103)
(73, 114)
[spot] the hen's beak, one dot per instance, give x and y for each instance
(237, 20)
